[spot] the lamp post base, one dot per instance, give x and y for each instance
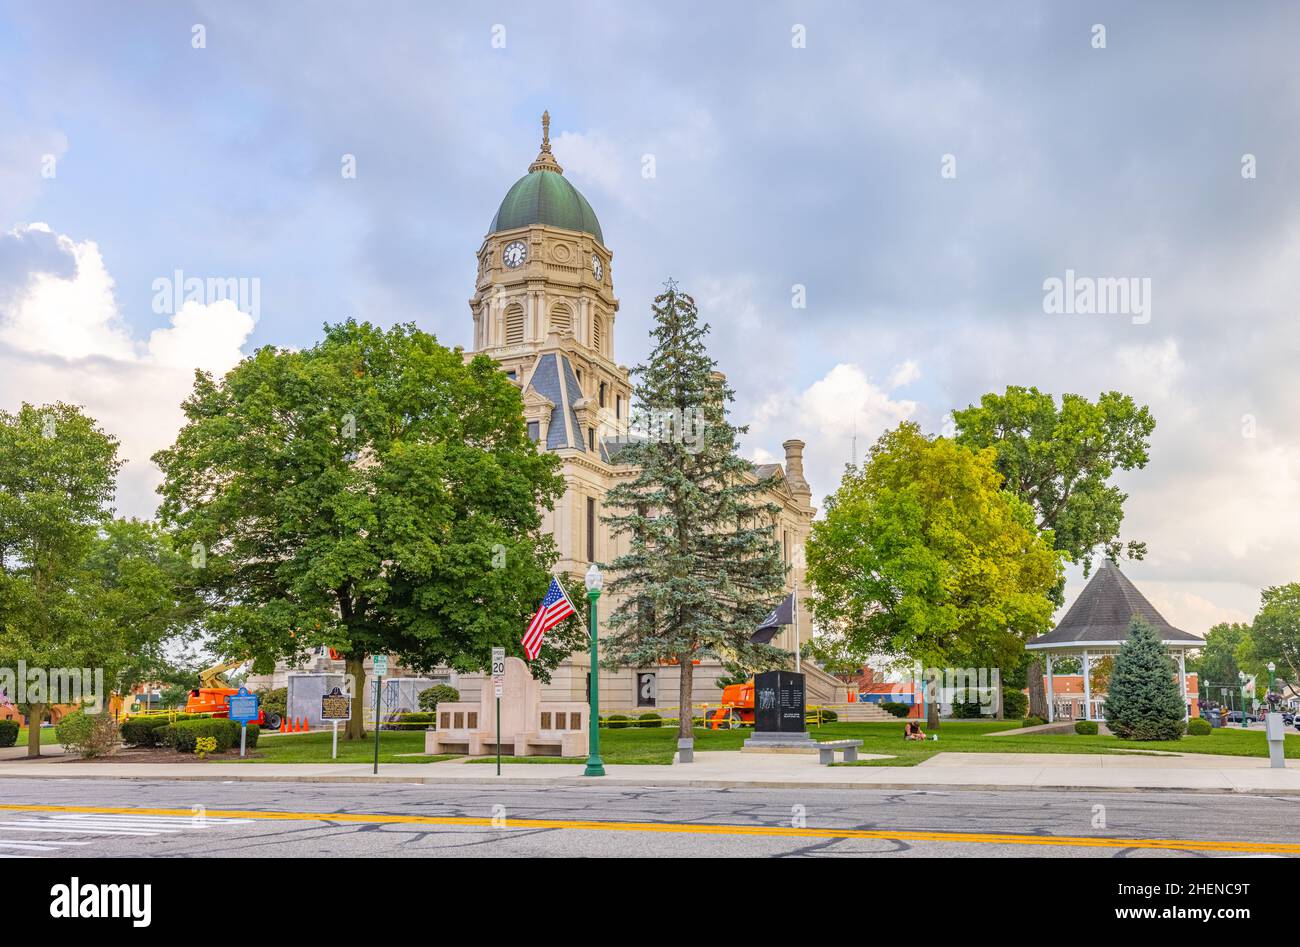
(595, 767)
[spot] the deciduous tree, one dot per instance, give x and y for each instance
(375, 493)
(923, 554)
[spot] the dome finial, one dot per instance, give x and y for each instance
(545, 161)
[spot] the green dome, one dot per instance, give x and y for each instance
(545, 197)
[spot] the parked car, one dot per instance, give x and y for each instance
(1234, 716)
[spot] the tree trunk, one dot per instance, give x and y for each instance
(355, 667)
(1037, 694)
(998, 713)
(931, 706)
(685, 689)
(35, 713)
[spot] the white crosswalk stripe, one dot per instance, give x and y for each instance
(38, 833)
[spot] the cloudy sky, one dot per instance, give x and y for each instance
(920, 169)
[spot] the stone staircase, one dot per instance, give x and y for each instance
(866, 712)
(828, 690)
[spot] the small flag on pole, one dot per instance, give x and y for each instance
(555, 608)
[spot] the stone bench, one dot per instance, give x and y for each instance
(826, 751)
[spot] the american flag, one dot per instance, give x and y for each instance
(555, 608)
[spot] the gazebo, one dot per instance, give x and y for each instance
(1097, 624)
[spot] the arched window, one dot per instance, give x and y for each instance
(514, 325)
(561, 318)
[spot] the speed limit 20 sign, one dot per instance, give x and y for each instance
(498, 669)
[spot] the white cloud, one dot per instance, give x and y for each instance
(826, 416)
(62, 337)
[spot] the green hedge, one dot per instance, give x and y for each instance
(1087, 728)
(897, 708)
(185, 733)
(1197, 727)
(650, 721)
(1032, 722)
(148, 731)
(411, 721)
(1015, 703)
(617, 721)
(829, 716)
(8, 732)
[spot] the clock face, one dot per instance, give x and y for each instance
(514, 254)
(596, 268)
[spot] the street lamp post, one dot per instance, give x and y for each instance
(595, 766)
(1241, 676)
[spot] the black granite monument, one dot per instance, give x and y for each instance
(779, 711)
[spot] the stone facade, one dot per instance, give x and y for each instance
(544, 308)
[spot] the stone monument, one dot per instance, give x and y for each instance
(779, 714)
(529, 725)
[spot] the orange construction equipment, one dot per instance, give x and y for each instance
(737, 708)
(213, 694)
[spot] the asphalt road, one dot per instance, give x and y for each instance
(195, 819)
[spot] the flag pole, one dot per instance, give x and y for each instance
(796, 627)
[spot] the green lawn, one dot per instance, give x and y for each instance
(314, 747)
(638, 746)
(48, 737)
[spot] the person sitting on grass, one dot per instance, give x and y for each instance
(913, 731)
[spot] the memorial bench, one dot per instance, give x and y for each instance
(826, 751)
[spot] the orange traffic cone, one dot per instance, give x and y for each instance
(284, 724)
(306, 725)
(297, 727)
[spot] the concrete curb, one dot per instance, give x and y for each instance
(661, 783)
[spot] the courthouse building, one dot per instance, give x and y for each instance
(544, 308)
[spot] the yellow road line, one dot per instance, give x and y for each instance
(752, 831)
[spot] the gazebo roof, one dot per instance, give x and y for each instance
(1100, 616)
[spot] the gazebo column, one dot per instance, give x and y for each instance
(1087, 687)
(1051, 700)
(1182, 682)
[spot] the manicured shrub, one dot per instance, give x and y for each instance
(1087, 728)
(143, 731)
(1197, 727)
(1015, 703)
(184, 734)
(8, 732)
(617, 721)
(829, 716)
(1142, 699)
(1032, 722)
(431, 697)
(897, 708)
(413, 721)
(650, 721)
(87, 734)
(967, 710)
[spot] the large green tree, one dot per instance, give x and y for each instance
(1275, 633)
(375, 493)
(703, 566)
(1061, 459)
(1217, 665)
(57, 475)
(1143, 702)
(923, 554)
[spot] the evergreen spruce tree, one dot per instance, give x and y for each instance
(1143, 701)
(703, 566)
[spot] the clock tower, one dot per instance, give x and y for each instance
(544, 308)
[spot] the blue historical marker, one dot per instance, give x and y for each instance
(243, 708)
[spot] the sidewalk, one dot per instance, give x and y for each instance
(715, 770)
